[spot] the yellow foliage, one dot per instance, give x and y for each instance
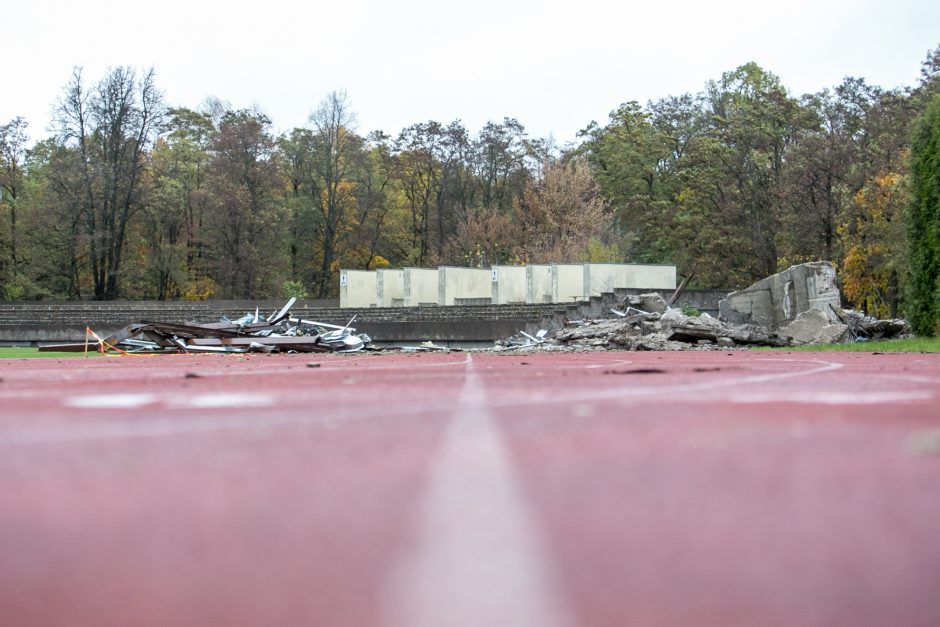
(866, 284)
(785, 261)
(598, 252)
(873, 238)
(200, 289)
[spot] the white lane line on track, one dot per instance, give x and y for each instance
(243, 372)
(669, 390)
(478, 558)
(223, 400)
(148, 428)
(110, 401)
(351, 365)
(197, 401)
(910, 378)
(831, 398)
(616, 362)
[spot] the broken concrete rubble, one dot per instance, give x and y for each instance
(278, 333)
(777, 300)
(814, 327)
(677, 326)
(797, 306)
(671, 330)
(651, 303)
(863, 327)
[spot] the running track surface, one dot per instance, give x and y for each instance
(743, 488)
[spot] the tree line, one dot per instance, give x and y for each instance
(130, 198)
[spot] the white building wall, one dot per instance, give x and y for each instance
(420, 287)
(389, 287)
(654, 276)
(605, 277)
(568, 282)
(538, 284)
(457, 285)
(356, 288)
(508, 284)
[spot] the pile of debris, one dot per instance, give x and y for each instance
(524, 340)
(279, 332)
(661, 329)
(797, 306)
(861, 328)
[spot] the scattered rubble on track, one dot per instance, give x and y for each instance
(279, 332)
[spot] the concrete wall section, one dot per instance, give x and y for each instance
(538, 284)
(464, 286)
(509, 284)
(606, 277)
(653, 276)
(568, 282)
(389, 288)
(420, 287)
(780, 298)
(356, 288)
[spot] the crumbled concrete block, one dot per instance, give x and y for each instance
(777, 300)
(651, 303)
(814, 327)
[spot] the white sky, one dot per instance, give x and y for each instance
(554, 65)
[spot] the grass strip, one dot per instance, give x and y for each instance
(25, 352)
(908, 345)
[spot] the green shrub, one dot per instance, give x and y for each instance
(295, 289)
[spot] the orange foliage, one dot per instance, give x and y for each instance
(873, 238)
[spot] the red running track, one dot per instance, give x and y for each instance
(471, 489)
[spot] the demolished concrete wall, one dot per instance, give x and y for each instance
(780, 298)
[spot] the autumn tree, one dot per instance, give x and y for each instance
(562, 214)
(458, 191)
(335, 146)
(501, 154)
(378, 230)
(485, 237)
(816, 181)
(55, 253)
(297, 152)
(872, 233)
(244, 216)
(753, 117)
(107, 131)
(419, 171)
(626, 157)
(174, 220)
(13, 139)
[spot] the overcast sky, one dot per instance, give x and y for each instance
(553, 65)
